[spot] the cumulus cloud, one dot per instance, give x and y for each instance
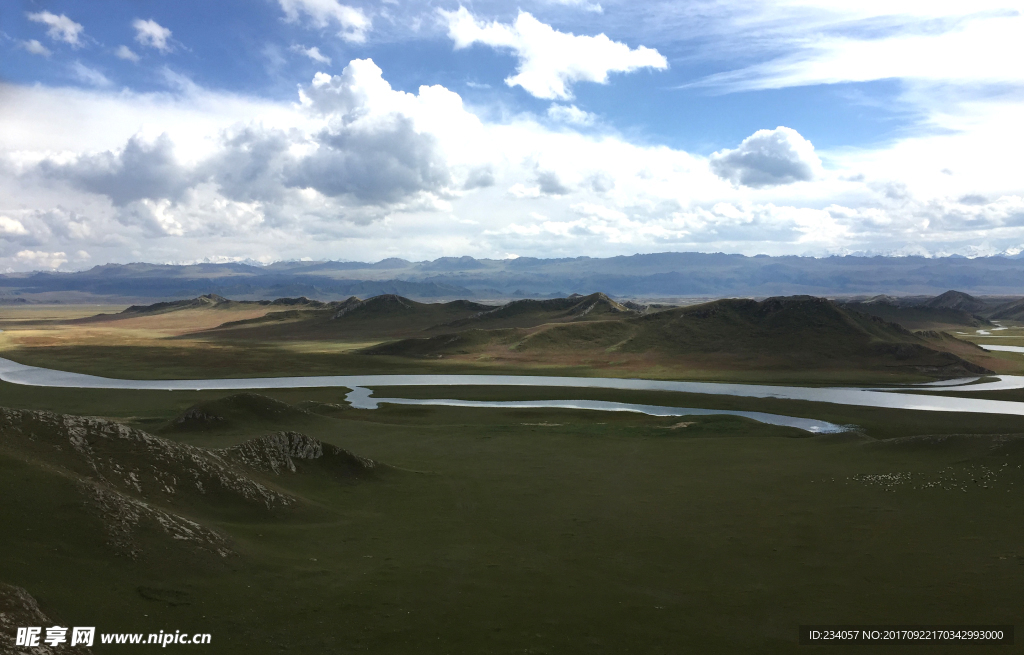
(358, 167)
(36, 48)
(152, 34)
(10, 227)
(38, 259)
(551, 61)
(354, 23)
(375, 157)
(126, 53)
(139, 171)
(768, 158)
(549, 184)
(313, 53)
(479, 178)
(377, 164)
(249, 166)
(60, 28)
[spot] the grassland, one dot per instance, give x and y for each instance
(795, 341)
(554, 531)
(511, 530)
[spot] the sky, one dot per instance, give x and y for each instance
(267, 130)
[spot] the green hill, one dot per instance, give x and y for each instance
(958, 300)
(531, 313)
(146, 492)
(384, 316)
(1012, 311)
(238, 413)
(294, 452)
(792, 333)
(918, 317)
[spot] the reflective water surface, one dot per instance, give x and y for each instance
(884, 398)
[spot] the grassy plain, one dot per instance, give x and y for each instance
(524, 531)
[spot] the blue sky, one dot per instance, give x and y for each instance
(277, 129)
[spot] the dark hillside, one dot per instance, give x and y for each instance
(1011, 311)
(384, 316)
(146, 492)
(791, 333)
(957, 300)
(531, 313)
(919, 317)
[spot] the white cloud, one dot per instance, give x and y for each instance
(126, 53)
(551, 61)
(152, 34)
(768, 158)
(313, 53)
(968, 46)
(570, 114)
(35, 47)
(89, 75)
(61, 28)
(38, 259)
(11, 227)
(354, 22)
(357, 169)
(138, 171)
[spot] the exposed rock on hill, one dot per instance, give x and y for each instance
(278, 452)
(18, 609)
(131, 478)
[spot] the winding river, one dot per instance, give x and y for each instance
(361, 396)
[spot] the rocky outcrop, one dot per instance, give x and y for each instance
(131, 479)
(18, 609)
(275, 453)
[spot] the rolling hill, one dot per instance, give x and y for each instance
(924, 316)
(791, 333)
(147, 492)
(387, 316)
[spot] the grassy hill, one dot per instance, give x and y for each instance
(794, 333)
(553, 531)
(148, 492)
(384, 316)
(958, 300)
(531, 313)
(1012, 311)
(918, 317)
(390, 316)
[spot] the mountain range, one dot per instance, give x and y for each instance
(644, 276)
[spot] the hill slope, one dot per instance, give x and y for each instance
(957, 300)
(918, 317)
(387, 316)
(149, 492)
(794, 333)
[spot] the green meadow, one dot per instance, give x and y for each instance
(501, 530)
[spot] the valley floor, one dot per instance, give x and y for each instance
(507, 530)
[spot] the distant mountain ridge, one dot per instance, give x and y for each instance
(650, 276)
(780, 333)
